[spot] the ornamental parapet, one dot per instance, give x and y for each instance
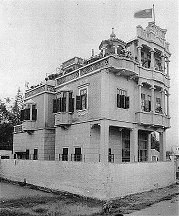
(114, 62)
(39, 89)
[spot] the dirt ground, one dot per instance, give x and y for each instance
(67, 204)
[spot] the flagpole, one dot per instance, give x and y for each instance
(154, 13)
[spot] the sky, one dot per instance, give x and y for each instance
(36, 36)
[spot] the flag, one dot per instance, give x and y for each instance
(147, 13)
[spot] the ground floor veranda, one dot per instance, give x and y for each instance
(107, 141)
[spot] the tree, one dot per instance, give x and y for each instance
(16, 109)
(9, 117)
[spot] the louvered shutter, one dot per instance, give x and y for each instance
(27, 114)
(118, 101)
(22, 115)
(149, 106)
(127, 103)
(71, 104)
(58, 104)
(122, 101)
(78, 102)
(63, 104)
(54, 105)
(34, 114)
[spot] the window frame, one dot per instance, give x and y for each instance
(123, 100)
(79, 105)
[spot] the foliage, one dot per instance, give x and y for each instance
(9, 117)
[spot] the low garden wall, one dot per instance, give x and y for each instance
(97, 180)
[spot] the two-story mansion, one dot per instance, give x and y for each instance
(103, 109)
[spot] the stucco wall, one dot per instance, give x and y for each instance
(43, 140)
(91, 179)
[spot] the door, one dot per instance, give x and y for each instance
(78, 155)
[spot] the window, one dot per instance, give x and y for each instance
(158, 108)
(142, 146)
(35, 156)
(81, 100)
(122, 99)
(125, 145)
(110, 156)
(30, 113)
(65, 154)
(60, 104)
(77, 156)
(145, 104)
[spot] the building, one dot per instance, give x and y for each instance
(103, 109)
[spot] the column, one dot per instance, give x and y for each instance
(140, 87)
(163, 62)
(115, 49)
(167, 67)
(134, 145)
(139, 114)
(104, 141)
(168, 113)
(103, 49)
(149, 148)
(152, 59)
(139, 54)
(162, 140)
(31, 112)
(163, 100)
(152, 99)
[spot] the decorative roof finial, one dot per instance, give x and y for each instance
(112, 35)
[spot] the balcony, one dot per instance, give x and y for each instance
(63, 118)
(153, 119)
(18, 129)
(123, 66)
(29, 125)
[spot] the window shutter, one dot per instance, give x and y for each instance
(122, 101)
(54, 105)
(149, 106)
(27, 114)
(64, 104)
(118, 100)
(58, 104)
(22, 115)
(34, 114)
(78, 102)
(85, 101)
(71, 104)
(127, 103)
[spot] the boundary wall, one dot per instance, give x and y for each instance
(96, 180)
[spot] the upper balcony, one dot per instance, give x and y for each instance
(46, 86)
(124, 65)
(63, 119)
(26, 126)
(153, 119)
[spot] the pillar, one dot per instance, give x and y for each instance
(162, 139)
(168, 113)
(163, 100)
(167, 67)
(163, 63)
(103, 51)
(149, 148)
(152, 59)
(134, 145)
(139, 54)
(104, 141)
(152, 99)
(115, 49)
(140, 87)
